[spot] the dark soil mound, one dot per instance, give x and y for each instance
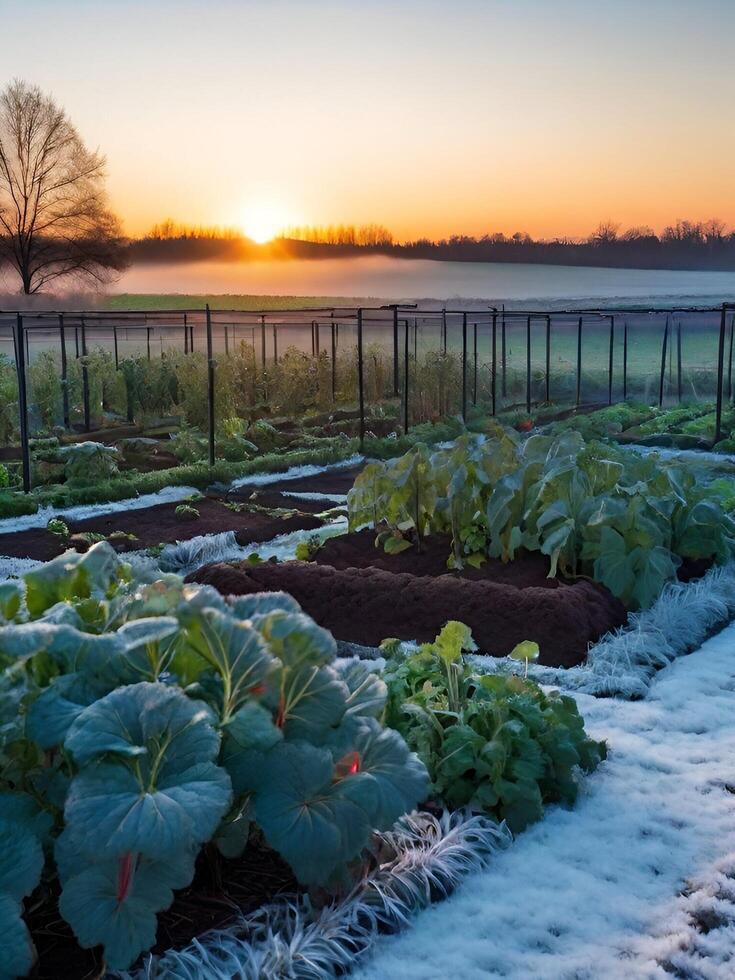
(366, 605)
(159, 525)
(358, 551)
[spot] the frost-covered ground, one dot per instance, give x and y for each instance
(596, 892)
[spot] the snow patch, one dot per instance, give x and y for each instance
(622, 663)
(582, 893)
(205, 549)
(296, 472)
(83, 511)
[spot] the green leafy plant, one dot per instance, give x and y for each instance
(139, 722)
(306, 550)
(185, 512)
(495, 743)
(89, 463)
(626, 520)
(59, 528)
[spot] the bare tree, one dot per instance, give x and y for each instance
(54, 217)
(606, 233)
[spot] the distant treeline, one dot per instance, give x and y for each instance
(684, 245)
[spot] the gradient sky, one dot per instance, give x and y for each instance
(429, 117)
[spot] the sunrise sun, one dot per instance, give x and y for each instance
(263, 222)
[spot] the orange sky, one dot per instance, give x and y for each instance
(429, 117)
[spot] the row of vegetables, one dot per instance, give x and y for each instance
(141, 721)
(626, 520)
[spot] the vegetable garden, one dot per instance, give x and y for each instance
(293, 640)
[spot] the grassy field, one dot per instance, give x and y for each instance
(225, 301)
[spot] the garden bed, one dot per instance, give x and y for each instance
(502, 604)
(160, 525)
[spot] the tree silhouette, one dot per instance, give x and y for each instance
(54, 218)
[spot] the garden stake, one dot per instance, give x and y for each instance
(503, 388)
(528, 365)
(210, 386)
(405, 382)
(334, 362)
(64, 373)
(464, 367)
(474, 380)
(85, 378)
(360, 379)
(579, 360)
(720, 367)
(663, 365)
(493, 379)
(548, 359)
(610, 362)
(20, 367)
(395, 351)
(678, 360)
(625, 360)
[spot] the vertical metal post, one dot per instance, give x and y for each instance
(720, 366)
(20, 367)
(64, 373)
(474, 366)
(360, 379)
(316, 338)
(625, 360)
(464, 367)
(85, 378)
(262, 340)
(275, 343)
(610, 362)
(191, 339)
(579, 361)
(678, 361)
(186, 336)
(313, 340)
(663, 364)
(405, 380)
(528, 365)
(148, 341)
(227, 341)
(493, 377)
(503, 362)
(444, 331)
(395, 351)
(334, 361)
(114, 342)
(416, 340)
(76, 342)
(210, 387)
(548, 359)
(729, 361)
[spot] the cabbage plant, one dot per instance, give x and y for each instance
(140, 721)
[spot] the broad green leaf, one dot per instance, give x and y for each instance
(385, 778)
(263, 603)
(313, 702)
(368, 692)
(116, 811)
(115, 903)
(305, 816)
(18, 951)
